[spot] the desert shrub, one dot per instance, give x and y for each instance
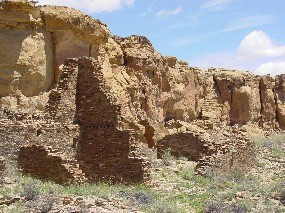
(47, 204)
(136, 198)
(17, 207)
(43, 203)
(215, 207)
(157, 164)
(220, 207)
(103, 190)
(187, 174)
(275, 147)
(167, 158)
(30, 191)
(274, 143)
(280, 189)
(235, 208)
(12, 171)
(282, 197)
(83, 210)
(236, 175)
(5, 191)
(162, 207)
(261, 165)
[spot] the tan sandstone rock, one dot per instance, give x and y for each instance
(105, 103)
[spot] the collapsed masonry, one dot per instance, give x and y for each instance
(104, 152)
(70, 118)
(219, 149)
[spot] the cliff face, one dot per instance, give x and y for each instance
(35, 42)
(97, 103)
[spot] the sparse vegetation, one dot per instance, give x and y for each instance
(47, 205)
(30, 192)
(167, 158)
(176, 187)
(271, 146)
(236, 190)
(40, 195)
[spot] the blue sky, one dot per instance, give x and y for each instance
(234, 34)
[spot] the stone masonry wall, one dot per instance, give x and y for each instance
(87, 120)
(45, 162)
(210, 148)
(104, 151)
(97, 115)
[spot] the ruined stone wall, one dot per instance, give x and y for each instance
(105, 151)
(99, 114)
(221, 148)
(61, 106)
(184, 144)
(89, 141)
(46, 162)
(14, 136)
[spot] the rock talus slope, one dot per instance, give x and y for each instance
(100, 107)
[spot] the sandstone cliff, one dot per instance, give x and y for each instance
(97, 106)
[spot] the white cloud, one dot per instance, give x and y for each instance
(216, 4)
(91, 6)
(256, 53)
(273, 68)
(258, 44)
(248, 22)
(163, 13)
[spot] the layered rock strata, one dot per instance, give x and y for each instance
(92, 106)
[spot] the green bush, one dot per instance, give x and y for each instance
(30, 192)
(167, 158)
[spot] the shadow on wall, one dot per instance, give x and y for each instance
(48, 166)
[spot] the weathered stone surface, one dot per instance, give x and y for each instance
(104, 150)
(268, 104)
(32, 54)
(222, 148)
(280, 100)
(46, 163)
(26, 59)
(2, 165)
(18, 5)
(240, 91)
(103, 101)
(74, 34)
